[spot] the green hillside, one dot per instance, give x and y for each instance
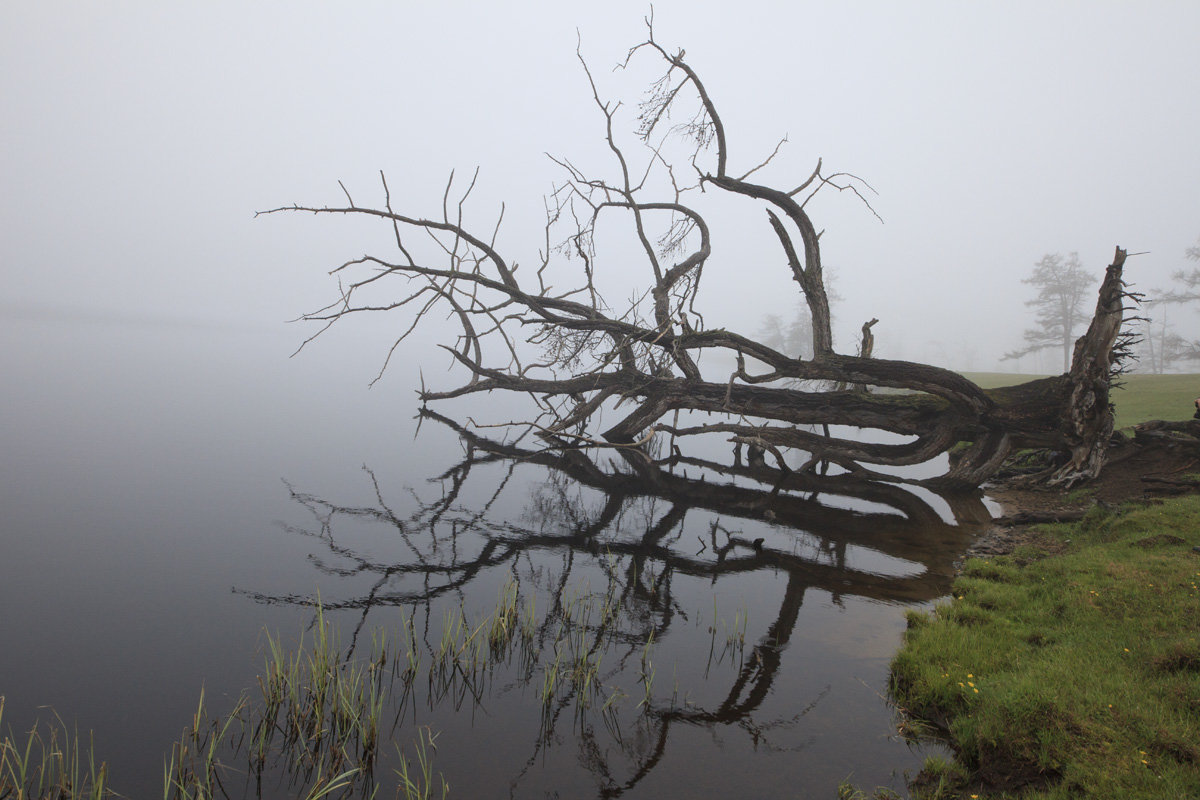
(1141, 397)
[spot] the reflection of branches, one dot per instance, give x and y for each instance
(632, 517)
(745, 697)
(909, 528)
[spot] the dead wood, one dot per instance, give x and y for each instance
(655, 363)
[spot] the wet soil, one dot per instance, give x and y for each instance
(1134, 473)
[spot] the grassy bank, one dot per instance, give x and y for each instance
(1145, 397)
(1140, 398)
(1072, 674)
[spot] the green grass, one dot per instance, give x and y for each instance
(1140, 398)
(1077, 673)
(1146, 397)
(994, 380)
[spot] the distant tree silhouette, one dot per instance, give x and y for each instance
(1162, 345)
(1060, 306)
(1189, 279)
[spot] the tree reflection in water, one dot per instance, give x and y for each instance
(644, 524)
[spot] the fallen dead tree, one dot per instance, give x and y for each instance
(550, 332)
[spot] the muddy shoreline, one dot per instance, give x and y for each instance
(1135, 474)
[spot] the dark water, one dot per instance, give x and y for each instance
(169, 492)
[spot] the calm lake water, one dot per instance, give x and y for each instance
(170, 492)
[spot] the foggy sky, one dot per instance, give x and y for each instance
(140, 137)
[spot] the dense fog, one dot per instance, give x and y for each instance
(140, 139)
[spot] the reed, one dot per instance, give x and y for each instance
(317, 718)
(733, 638)
(48, 762)
(646, 674)
(419, 784)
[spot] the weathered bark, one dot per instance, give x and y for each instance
(1088, 416)
(643, 362)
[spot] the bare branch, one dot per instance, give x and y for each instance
(550, 334)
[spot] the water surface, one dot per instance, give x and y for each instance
(171, 491)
